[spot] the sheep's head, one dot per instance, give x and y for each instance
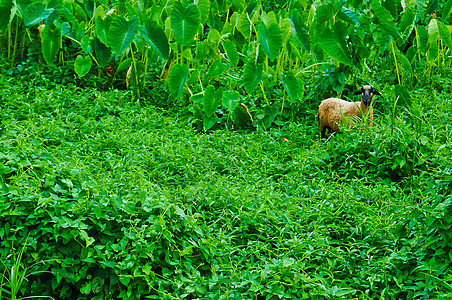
(367, 92)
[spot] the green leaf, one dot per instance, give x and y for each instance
(176, 79)
(35, 13)
(185, 22)
(391, 7)
(300, 32)
(407, 22)
(244, 25)
(204, 9)
(212, 99)
(252, 76)
(156, 38)
(433, 31)
(214, 36)
(8, 9)
(421, 5)
(334, 43)
(447, 9)
(231, 52)
(231, 99)
(404, 96)
(124, 65)
(423, 39)
(444, 34)
(386, 21)
(351, 15)
(102, 26)
(324, 13)
(103, 53)
(86, 44)
(121, 33)
(270, 39)
(270, 113)
(51, 41)
(405, 62)
(290, 84)
(217, 68)
(242, 117)
(82, 65)
(209, 121)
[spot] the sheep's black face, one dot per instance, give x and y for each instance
(367, 93)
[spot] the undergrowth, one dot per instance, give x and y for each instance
(110, 198)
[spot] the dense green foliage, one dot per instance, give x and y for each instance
(257, 56)
(103, 197)
(169, 150)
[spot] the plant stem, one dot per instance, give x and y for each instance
(134, 63)
(395, 60)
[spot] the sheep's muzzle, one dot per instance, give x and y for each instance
(367, 96)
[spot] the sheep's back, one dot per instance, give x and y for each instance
(332, 109)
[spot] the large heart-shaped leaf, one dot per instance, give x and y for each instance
(231, 99)
(324, 13)
(35, 13)
(51, 41)
(349, 15)
(407, 22)
(244, 25)
(209, 121)
(270, 39)
(156, 38)
(185, 22)
(177, 78)
(212, 99)
(386, 21)
(404, 97)
(298, 29)
(82, 65)
(103, 53)
(8, 9)
(444, 33)
(423, 39)
(290, 83)
(231, 52)
(270, 113)
(217, 68)
(121, 33)
(333, 43)
(87, 43)
(102, 26)
(252, 76)
(242, 117)
(447, 9)
(204, 9)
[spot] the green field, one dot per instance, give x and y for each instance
(103, 198)
(169, 149)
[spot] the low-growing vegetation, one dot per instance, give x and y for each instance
(170, 150)
(103, 197)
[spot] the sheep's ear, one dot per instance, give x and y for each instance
(375, 92)
(358, 92)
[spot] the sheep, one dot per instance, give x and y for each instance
(334, 111)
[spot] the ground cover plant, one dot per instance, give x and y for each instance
(170, 150)
(103, 197)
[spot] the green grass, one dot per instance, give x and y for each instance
(119, 199)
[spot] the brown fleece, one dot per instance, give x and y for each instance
(334, 111)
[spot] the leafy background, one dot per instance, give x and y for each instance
(156, 149)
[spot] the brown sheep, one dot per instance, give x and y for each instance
(334, 111)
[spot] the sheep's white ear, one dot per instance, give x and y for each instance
(358, 92)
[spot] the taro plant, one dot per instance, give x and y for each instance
(260, 50)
